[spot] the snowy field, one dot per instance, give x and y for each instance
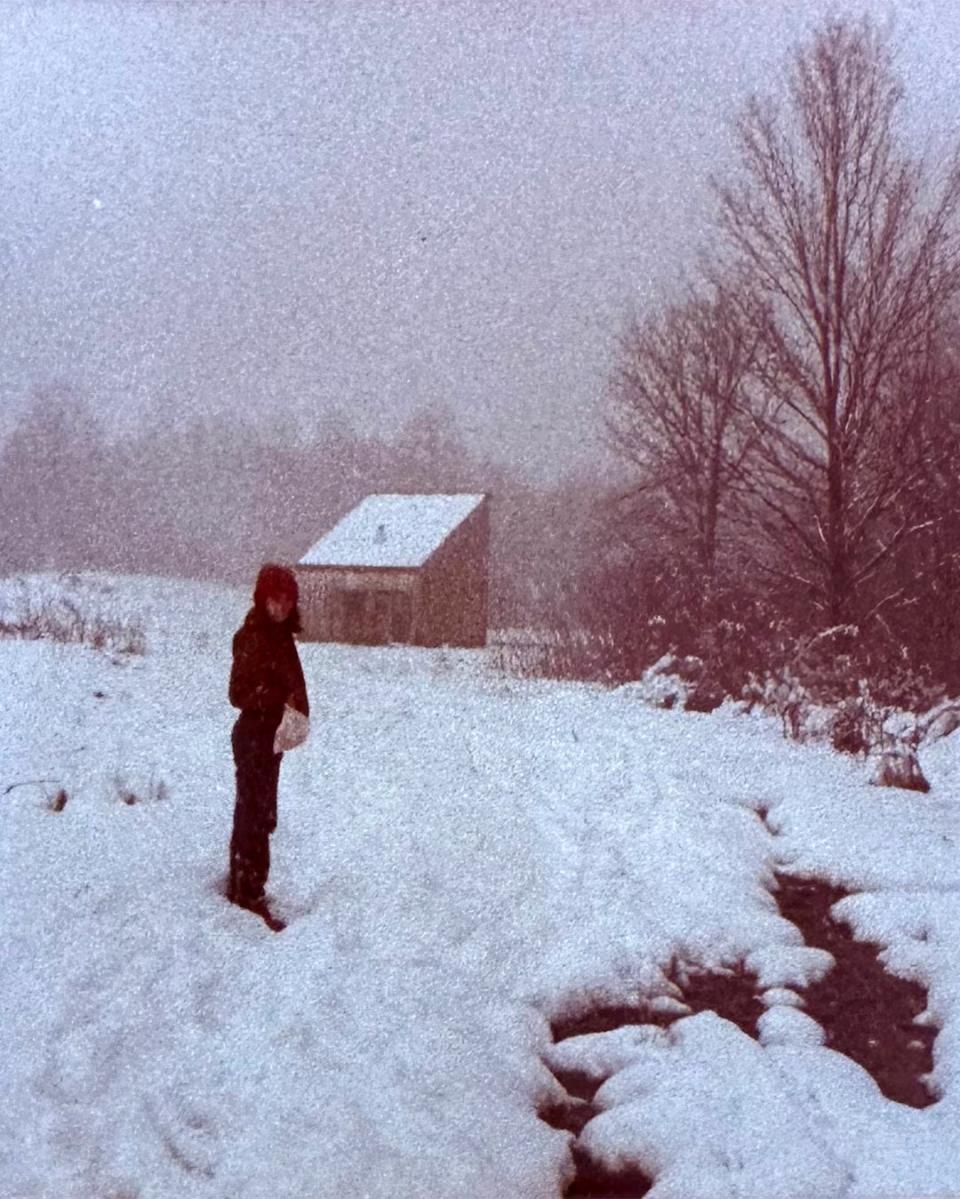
(462, 858)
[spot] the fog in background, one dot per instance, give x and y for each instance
(247, 248)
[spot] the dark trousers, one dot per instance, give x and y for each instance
(255, 813)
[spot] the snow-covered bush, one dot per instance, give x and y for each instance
(61, 609)
(940, 721)
(831, 690)
(677, 682)
(783, 693)
(667, 683)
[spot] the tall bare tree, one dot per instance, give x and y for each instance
(676, 416)
(847, 253)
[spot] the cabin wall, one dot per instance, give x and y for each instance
(455, 586)
(359, 607)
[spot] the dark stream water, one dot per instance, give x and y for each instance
(865, 1012)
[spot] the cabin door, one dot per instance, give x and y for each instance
(389, 615)
(373, 617)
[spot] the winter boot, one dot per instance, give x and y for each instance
(259, 908)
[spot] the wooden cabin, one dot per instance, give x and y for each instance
(408, 569)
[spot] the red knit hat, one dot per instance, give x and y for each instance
(275, 582)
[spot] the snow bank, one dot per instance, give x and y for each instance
(708, 1076)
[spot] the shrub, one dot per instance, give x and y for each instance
(53, 614)
(899, 768)
(662, 685)
(862, 699)
(156, 790)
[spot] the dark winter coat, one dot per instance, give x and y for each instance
(266, 672)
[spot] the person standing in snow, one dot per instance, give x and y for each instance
(267, 685)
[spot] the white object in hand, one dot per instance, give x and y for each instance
(292, 730)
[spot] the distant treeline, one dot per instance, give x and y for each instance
(212, 498)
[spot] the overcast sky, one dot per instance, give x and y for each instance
(287, 208)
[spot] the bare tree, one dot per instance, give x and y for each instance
(848, 264)
(676, 417)
(925, 574)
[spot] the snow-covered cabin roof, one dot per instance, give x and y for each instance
(391, 530)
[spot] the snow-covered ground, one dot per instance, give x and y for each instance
(462, 857)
